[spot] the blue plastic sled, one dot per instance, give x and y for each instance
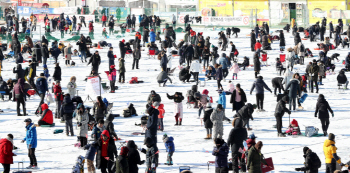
(303, 98)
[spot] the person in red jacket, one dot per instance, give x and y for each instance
(257, 45)
(104, 19)
(91, 27)
(6, 154)
(46, 117)
(161, 110)
(57, 90)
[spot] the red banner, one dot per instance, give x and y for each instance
(36, 5)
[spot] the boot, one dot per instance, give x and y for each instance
(177, 123)
(180, 123)
(123, 81)
(207, 137)
(210, 136)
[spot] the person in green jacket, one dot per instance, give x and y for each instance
(255, 158)
(186, 36)
(118, 11)
(121, 70)
(121, 164)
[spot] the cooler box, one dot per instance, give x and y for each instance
(184, 168)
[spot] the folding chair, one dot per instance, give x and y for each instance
(152, 54)
(128, 54)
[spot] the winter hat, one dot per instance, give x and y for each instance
(219, 141)
(258, 145)
(252, 136)
(254, 106)
(45, 66)
(152, 29)
(28, 120)
(41, 74)
(219, 106)
(295, 123)
(112, 66)
(331, 136)
(223, 54)
(153, 92)
(305, 149)
(123, 40)
(205, 91)
(124, 151)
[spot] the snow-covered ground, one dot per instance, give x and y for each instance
(56, 152)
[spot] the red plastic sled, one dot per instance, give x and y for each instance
(265, 168)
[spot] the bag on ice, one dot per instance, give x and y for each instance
(310, 131)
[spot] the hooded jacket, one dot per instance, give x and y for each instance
(294, 88)
(195, 66)
(207, 122)
(259, 84)
(341, 78)
(281, 107)
(57, 73)
(47, 114)
(31, 136)
(41, 85)
(151, 153)
(237, 135)
(322, 108)
(111, 149)
(92, 149)
(19, 72)
(255, 159)
(155, 98)
(221, 155)
(169, 144)
(246, 112)
(67, 108)
(152, 122)
(99, 112)
(277, 82)
(152, 36)
(82, 121)
(6, 154)
(233, 98)
(110, 126)
(134, 157)
(330, 152)
(222, 99)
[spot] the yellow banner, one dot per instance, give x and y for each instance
(319, 9)
(222, 8)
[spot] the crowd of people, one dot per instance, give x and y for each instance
(195, 57)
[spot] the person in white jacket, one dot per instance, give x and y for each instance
(170, 57)
(288, 75)
(72, 87)
(195, 69)
(290, 58)
(82, 123)
(174, 21)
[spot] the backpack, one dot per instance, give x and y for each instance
(315, 160)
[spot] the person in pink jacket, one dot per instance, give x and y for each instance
(112, 75)
(235, 69)
(202, 101)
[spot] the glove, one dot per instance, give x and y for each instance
(270, 91)
(315, 115)
(332, 114)
(143, 150)
(142, 162)
(297, 169)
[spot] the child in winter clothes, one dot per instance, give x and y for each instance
(293, 128)
(112, 75)
(235, 69)
(104, 33)
(222, 99)
(46, 72)
(161, 110)
(170, 148)
(90, 156)
(97, 130)
(231, 87)
(178, 105)
(220, 152)
(66, 28)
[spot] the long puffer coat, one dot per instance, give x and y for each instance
(134, 157)
(282, 40)
(294, 88)
(322, 108)
(207, 122)
(217, 117)
(237, 135)
(82, 121)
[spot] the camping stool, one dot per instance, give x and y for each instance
(184, 168)
(341, 86)
(210, 162)
(201, 81)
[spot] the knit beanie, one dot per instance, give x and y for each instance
(305, 149)
(331, 136)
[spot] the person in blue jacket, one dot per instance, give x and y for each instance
(140, 18)
(152, 36)
(98, 129)
(31, 139)
(170, 148)
(46, 71)
(90, 155)
(223, 62)
(260, 85)
(222, 98)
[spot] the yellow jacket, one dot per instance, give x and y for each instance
(330, 151)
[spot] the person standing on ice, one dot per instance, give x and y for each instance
(95, 61)
(82, 47)
(152, 123)
(294, 90)
(260, 85)
(178, 108)
(322, 108)
(105, 153)
(279, 112)
(330, 152)
(256, 158)
(313, 72)
(104, 19)
(6, 152)
(137, 53)
(220, 152)
(82, 118)
(235, 140)
(31, 139)
(217, 117)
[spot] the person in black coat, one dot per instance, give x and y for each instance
(322, 108)
(266, 27)
(252, 41)
(331, 29)
(228, 32)
(235, 140)
(279, 112)
(282, 41)
(151, 131)
(137, 53)
(95, 60)
(311, 32)
(208, 124)
(44, 40)
(277, 84)
(55, 52)
(101, 162)
(189, 54)
(19, 71)
(122, 48)
(57, 73)
(239, 100)
(322, 32)
(44, 52)
(67, 110)
(134, 157)
(256, 29)
(341, 78)
(257, 67)
(37, 52)
(110, 57)
(297, 38)
(184, 74)
(310, 160)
